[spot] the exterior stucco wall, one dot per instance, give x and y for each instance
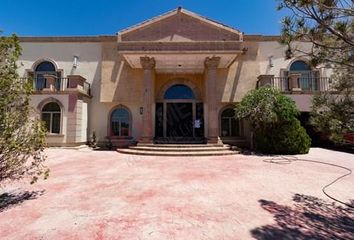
(240, 77)
(63, 55)
(119, 82)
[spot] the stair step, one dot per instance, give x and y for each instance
(180, 149)
(181, 145)
(177, 153)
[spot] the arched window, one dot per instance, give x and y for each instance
(230, 126)
(42, 69)
(299, 66)
(179, 91)
(51, 115)
(120, 122)
(308, 79)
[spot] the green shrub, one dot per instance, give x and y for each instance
(285, 138)
(273, 118)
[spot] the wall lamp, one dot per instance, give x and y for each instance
(76, 61)
(270, 61)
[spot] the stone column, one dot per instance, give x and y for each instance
(148, 65)
(211, 65)
(294, 82)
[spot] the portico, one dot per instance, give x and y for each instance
(180, 51)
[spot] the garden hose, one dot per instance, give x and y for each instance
(290, 159)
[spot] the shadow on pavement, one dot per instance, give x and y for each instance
(11, 199)
(308, 218)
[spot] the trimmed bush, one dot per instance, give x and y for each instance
(273, 118)
(287, 138)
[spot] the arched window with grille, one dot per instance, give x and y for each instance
(120, 122)
(42, 69)
(230, 126)
(51, 116)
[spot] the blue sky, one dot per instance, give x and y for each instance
(106, 17)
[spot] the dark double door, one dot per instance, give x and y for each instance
(179, 121)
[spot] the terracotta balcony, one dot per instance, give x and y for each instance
(295, 83)
(49, 83)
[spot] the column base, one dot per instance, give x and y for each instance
(146, 140)
(296, 89)
(214, 140)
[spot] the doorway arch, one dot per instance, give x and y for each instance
(179, 114)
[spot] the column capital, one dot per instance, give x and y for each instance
(147, 62)
(212, 62)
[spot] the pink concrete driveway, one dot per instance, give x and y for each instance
(107, 195)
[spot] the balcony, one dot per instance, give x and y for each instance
(295, 83)
(51, 84)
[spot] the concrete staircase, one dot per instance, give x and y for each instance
(179, 150)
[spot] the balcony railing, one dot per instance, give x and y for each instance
(290, 84)
(55, 84)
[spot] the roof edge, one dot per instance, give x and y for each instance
(103, 38)
(176, 11)
(255, 37)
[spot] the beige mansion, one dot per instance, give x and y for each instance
(173, 78)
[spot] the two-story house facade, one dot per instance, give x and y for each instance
(173, 78)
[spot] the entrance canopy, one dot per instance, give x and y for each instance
(180, 41)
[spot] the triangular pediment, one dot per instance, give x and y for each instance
(180, 26)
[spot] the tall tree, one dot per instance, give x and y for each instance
(22, 136)
(329, 26)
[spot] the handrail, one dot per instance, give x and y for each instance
(60, 84)
(310, 84)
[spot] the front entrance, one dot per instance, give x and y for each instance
(179, 117)
(179, 120)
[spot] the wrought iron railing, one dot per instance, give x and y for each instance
(306, 84)
(60, 84)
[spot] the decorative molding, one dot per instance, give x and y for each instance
(49, 100)
(212, 62)
(147, 63)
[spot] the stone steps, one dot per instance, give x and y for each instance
(179, 150)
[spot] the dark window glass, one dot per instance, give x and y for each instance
(45, 67)
(199, 132)
(46, 120)
(51, 117)
(300, 66)
(54, 107)
(225, 127)
(40, 82)
(56, 123)
(159, 120)
(235, 127)
(228, 113)
(230, 126)
(120, 122)
(179, 91)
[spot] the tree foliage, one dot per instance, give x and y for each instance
(329, 26)
(273, 118)
(22, 136)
